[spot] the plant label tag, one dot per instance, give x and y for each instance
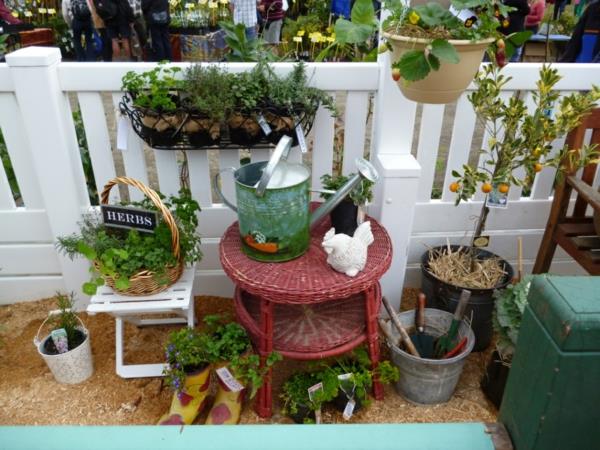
(130, 218)
(264, 124)
(229, 380)
(313, 390)
(59, 337)
(349, 409)
(496, 199)
(301, 140)
(318, 416)
(344, 376)
(122, 133)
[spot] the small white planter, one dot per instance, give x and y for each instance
(71, 367)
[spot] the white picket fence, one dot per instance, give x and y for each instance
(37, 125)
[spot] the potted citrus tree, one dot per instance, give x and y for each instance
(436, 53)
(519, 138)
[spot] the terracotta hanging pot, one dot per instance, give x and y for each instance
(446, 84)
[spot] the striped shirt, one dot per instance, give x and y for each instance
(244, 11)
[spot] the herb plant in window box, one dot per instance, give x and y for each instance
(435, 55)
(153, 104)
(134, 262)
(519, 138)
(345, 216)
(66, 349)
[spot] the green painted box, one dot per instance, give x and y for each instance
(552, 396)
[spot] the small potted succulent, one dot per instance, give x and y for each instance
(297, 404)
(346, 216)
(66, 350)
(436, 51)
(134, 262)
(209, 100)
(153, 103)
(189, 355)
(508, 313)
(237, 368)
(519, 138)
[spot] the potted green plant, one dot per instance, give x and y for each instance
(209, 100)
(345, 216)
(134, 262)
(435, 54)
(189, 355)
(518, 138)
(289, 101)
(297, 404)
(153, 102)
(508, 313)
(238, 369)
(66, 350)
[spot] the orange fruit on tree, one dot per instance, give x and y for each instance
(537, 167)
(503, 188)
(454, 187)
(486, 188)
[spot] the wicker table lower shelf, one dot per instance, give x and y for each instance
(308, 332)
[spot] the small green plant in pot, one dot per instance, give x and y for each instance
(155, 99)
(346, 215)
(67, 349)
(209, 100)
(297, 403)
(508, 312)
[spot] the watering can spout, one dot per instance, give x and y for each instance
(365, 171)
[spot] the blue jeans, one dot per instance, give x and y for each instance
(161, 45)
(84, 28)
(250, 33)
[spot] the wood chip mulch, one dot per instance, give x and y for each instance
(30, 396)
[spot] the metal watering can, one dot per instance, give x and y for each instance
(273, 204)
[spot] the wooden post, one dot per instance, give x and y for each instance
(48, 124)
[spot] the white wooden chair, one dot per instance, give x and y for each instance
(177, 299)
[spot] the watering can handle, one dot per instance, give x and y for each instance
(218, 187)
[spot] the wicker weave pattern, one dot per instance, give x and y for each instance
(143, 282)
(307, 279)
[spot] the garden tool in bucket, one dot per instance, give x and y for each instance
(446, 343)
(273, 204)
(423, 341)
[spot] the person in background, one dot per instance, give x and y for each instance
(158, 19)
(244, 11)
(78, 16)
(584, 46)
(272, 13)
(516, 22)
(6, 15)
(139, 24)
(535, 16)
(119, 29)
(101, 29)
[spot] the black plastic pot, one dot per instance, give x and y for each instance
(445, 296)
(494, 379)
(303, 412)
(343, 217)
(341, 400)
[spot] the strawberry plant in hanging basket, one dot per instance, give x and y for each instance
(132, 262)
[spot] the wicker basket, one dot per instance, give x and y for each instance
(144, 282)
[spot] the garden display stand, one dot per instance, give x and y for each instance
(177, 299)
(303, 308)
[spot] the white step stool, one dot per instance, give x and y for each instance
(177, 299)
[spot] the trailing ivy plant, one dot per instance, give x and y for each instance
(156, 89)
(508, 312)
(120, 254)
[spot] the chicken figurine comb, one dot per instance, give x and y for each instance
(348, 254)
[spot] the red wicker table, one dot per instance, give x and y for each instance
(303, 308)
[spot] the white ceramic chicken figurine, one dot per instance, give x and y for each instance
(348, 254)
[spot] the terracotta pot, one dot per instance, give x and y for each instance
(446, 84)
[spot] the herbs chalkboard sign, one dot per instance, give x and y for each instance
(131, 218)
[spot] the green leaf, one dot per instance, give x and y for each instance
(515, 40)
(444, 50)
(100, 281)
(89, 288)
(434, 62)
(121, 283)
(434, 15)
(86, 250)
(347, 32)
(363, 13)
(413, 65)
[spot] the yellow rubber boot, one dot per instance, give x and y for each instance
(227, 408)
(188, 403)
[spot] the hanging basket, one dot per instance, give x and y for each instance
(449, 82)
(145, 282)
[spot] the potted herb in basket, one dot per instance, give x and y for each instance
(518, 138)
(209, 99)
(152, 102)
(435, 54)
(297, 403)
(66, 350)
(346, 216)
(508, 313)
(134, 262)
(189, 355)
(237, 368)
